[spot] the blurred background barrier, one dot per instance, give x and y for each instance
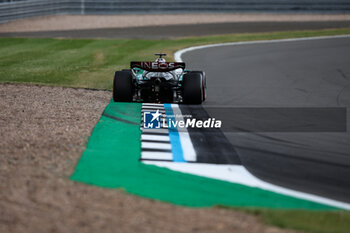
(16, 9)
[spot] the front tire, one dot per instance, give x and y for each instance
(122, 86)
(193, 88)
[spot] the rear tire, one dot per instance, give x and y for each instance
(193, 88)
(204, 77)
(122, 86)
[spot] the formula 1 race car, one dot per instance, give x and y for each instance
(159, 82)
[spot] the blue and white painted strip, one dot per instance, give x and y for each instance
(176, 147)
(189, 152)
(166, 145)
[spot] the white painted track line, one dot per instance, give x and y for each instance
(154, 145)
(157, 155)
(155, 137)
(151, 104)
(155, 131)
(238, 174)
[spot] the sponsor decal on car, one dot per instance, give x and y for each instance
(157, 66)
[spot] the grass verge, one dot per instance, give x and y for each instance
(91, 63)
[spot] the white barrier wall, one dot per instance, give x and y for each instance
(10, 10)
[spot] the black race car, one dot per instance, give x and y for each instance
(159, 82)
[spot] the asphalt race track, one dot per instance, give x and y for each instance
(173, 31)
(308, 73)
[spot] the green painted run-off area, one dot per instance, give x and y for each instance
(111, 160)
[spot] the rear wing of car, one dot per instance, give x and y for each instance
(157, 66)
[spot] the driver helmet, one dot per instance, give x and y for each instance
(160, 60)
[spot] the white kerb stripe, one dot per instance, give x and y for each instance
(155, 137)
(155, 145)
(158, 105)
(152, 109)
(155, 131)
(157, 155)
